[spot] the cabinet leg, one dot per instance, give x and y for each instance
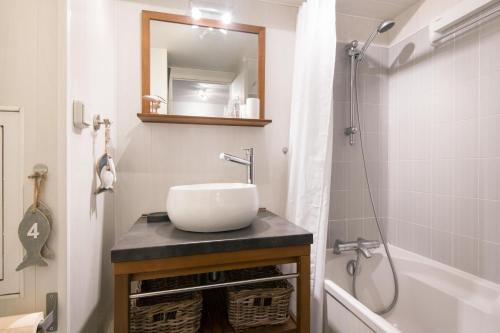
(303, 294)
(122, 290)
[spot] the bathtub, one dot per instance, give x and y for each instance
(433, 298)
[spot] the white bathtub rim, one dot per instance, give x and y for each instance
(397, 251)
(486, 304)
(375, 322)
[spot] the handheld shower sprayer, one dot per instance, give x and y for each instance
(384, 26)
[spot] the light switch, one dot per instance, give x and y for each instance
(81, 118)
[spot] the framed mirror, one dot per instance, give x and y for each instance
(202, 71)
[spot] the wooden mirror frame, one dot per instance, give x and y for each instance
(147, 116)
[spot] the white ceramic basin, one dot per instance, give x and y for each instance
(212, 207)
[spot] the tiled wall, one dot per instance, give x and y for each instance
(443, 163)
(351, 214)
(434, 150)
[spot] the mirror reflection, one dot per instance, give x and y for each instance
(202, 71)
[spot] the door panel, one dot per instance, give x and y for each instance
(11, 198)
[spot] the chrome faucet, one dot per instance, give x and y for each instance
(362, 245)
(248, 163)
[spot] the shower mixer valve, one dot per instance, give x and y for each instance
(351, 130)
(362, 245)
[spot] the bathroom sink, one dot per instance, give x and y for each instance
(212, 207)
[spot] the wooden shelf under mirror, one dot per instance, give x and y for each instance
(203, 70)
(172, 119)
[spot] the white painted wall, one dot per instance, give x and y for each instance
(153, 157)
(32, 76)
(92, 79)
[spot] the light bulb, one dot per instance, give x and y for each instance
(196, 13)
(226, 18)
(202, 93)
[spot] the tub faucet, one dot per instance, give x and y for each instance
(362, 245)
(250, 163)
(364, 251)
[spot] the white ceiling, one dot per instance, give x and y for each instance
(379, 9)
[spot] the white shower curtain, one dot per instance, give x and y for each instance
(311, 126)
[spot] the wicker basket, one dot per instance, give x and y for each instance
(258, 304)
(179, 313)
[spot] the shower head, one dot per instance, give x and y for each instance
(384, 26)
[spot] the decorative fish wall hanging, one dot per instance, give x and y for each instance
(35, 227)
(105, 167)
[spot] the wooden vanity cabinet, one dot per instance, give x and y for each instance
(125, 272)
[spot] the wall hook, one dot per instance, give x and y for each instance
(98, 122)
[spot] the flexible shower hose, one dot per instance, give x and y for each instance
(384, 242)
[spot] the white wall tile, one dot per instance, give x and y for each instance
(354, 229)
(370, 230)
(442, 176)
(489, 136)
(422, 239)
(406, 238)
(391, 229)
(489, 179)
(355, 204)
(465, 254)
(465, 177)
(341, 87)
(466, 217)
(338, 230)
(489, 218)
(338, 205)
(442, 213)
(423, 209)
(466, 138)
(340, 175)
(489, 98)
(441, 246)
(489, 265)
(423, 176)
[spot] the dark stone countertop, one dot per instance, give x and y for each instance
(162, 240)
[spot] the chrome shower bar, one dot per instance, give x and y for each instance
(468, 25)
(213, 286)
